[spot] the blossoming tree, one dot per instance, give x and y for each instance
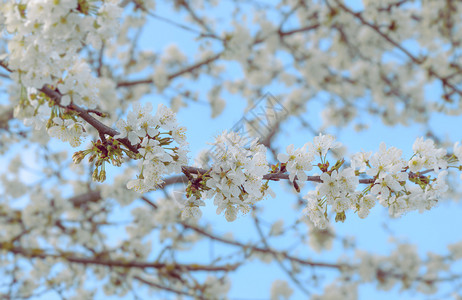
(78, 84)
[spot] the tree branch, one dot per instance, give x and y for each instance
(397, 45)
(99, 126)
(172, 76)
(74, 258)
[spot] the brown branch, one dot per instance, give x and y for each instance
(195, 66)
(283, 254)
(166, 288)
(278, 261)
(5, 117)
(88, 197)
(397, 45)
(199, 20)
(96, 195)
(302, 29)
(93, 196)
(251, 247)
(263, 250)
(209, 60)
(171, 76)
(83, 113)
(74, 258)
(283, 175)
(4, 65)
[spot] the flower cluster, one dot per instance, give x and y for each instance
(392, 187)
(403, 266)
(427, 156)
(47, 37)
(49, 34)
(67, 130)
(38, 110)
(338, 190)
(297, 161)
(77, 86)
(390, 184)
(235, 179)
(154, 135)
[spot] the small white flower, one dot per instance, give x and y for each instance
(277, 228)
(191, 209)
(359, 160)
(323, 143)
(128, 129)
(428, 156)
(386, 161)
(348, 180)
(416, 164)
(297, 162)
(329, 186)
(458, 151)
(166, 117)
(137, 185)
(280, 290)
(284, 158)
(67, 131)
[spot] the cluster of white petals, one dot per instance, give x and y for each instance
(154, 134)
(404, 267)
(336, 190)
(298, 161)
(427, 156)
(280, 289)
(67, 131)
(191, 208)
(47, 36)
(339, 290)
(236, 177)
(390, 184)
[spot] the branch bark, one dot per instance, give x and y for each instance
(75, 258)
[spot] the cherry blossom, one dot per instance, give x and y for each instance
(79, 72)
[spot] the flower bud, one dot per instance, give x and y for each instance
(78, 156)
(102, 176)
(94, 176)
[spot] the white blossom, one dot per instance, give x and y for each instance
(298, 161)
(66, 130)
(236, 177)
(280, 289)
